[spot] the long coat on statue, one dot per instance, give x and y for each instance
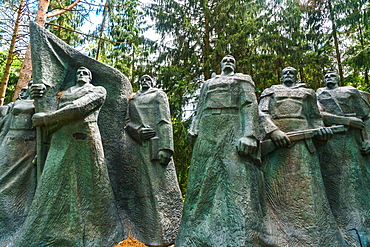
(299, 210)
(151, 200)
(346, 170)
(17, 169)
(223, 201)
(73, 203)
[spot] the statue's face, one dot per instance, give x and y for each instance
(24, 93)
(289, 76)
(228, 63)
(146, 82)
(83, 75)
(331, 80)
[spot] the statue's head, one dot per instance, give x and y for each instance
(289, 76)
(228, 64)
(331, 80)
(25, 92)
(83, 75)
(146, 81)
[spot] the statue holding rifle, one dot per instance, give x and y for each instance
(299, 211)
(345, 160)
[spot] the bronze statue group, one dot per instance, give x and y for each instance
(311, 186)
(291, 170)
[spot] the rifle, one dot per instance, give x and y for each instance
(267, 146)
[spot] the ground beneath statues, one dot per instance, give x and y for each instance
(132, 242)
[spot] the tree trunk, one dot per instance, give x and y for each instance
(105, 13)
(206, 41)
(336, 42)
(9, 61)
(26, 69)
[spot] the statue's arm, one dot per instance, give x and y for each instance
(193, 131)
(269, 128)
(312, 111)
(248, 110)
(7, 115)
(265, 119)
(132, 129)
(77, 109)
(164, 128)
(164, 125)
(316, 119)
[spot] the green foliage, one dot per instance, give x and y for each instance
(183, 150)
(264, 37)
(14, 74)
(124, 46)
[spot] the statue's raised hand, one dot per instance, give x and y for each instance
(37, 90)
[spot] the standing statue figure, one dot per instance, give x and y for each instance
(345, 160)
(153, 200)
(222, 205)
(298, 209)
(73, 203)
(17, 169)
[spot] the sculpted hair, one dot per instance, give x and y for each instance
(291, 68)
(88, 71)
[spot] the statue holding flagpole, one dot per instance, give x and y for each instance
(77, 98)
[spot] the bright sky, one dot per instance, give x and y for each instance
(97, 19)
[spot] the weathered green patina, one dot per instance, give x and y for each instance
(345, 160)
(223, 200)
(73, 204)
(17, 170)
(298, 209)
(150, 195)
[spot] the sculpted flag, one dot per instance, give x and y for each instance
(54, 65)
(73, 205)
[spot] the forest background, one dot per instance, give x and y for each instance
(314, 36)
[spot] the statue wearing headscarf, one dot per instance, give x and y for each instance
(223, 204)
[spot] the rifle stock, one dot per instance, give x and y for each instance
(267, 146)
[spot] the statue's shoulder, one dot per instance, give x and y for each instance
(320, 90)
(271, 90)
(350, 89)
(304, 87)
(155, 90)
(94, 89)
(244, 77)
(100, 89)
(161, 94)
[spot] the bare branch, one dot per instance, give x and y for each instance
(61, 11)
(88, 35)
